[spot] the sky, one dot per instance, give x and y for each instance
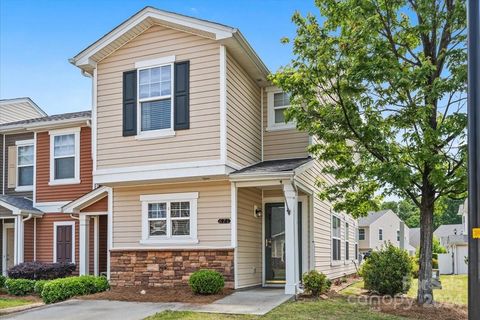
(37, 38)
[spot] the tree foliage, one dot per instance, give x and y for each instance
(382, 84)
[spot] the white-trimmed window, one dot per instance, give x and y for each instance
(361, 234)
(25, 165)
(336, 239)
(169, 218)
(65, 156)
(398, 235)
(155, 99)
(347, 241)
(380, 234)
(278, 102)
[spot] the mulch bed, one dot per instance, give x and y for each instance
(5, 295)
(181, 294)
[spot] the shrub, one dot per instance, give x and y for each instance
(20, 287)
(39, 284)
(434, 264)
(2, 281)
(388, 272)
(206, 282)
(315, 283)
(41, 271)
(66, 288)
(415, 267)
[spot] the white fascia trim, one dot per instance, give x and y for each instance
(168, 171)
(63, 223)
(76, 205)
(220, 31)
(154, 62)
(53, 207)
(223, 104)
(47, 125)
(25, 142)
(8, 206)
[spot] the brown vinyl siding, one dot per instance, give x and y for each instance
(249, 251)
(99, 206)
(45, 236)
(10, 140)
(243, 116)
(28, 236)
(213, 204)
(46, 193)
(200, 142)
(282, 144)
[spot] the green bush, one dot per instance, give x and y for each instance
(315, 283)
(20, 287)
(434, 263)
(39, 284)
(206, 282)
(415, 267)
(2, 281)
(66, 288)
(388, 272)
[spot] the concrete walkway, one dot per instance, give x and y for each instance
(255, 301)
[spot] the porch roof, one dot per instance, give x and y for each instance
(19, 205)
(87, 199)
(272, 167)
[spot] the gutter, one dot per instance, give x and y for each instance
(43, 125)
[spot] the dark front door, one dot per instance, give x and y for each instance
(64, 243)
(275, 243)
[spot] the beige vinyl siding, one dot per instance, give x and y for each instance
(322, 223)
(364, 245)
(282, 144)
(17, 111)
(249, 251)
(213, 204)
(243, 116)
(200, 142)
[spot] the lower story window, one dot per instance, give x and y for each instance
(336, 242)
(169, 217)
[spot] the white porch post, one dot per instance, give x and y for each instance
(20, 241)
(291, 239)
(84, 237)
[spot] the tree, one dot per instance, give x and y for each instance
(382, 84)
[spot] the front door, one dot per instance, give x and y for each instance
(10, 245)
(275, 243)
(64, 244)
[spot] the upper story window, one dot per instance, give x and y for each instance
(336, 242)
(380, 234)
(155, 98)
(65, 156)
(278, 102)
(169, 218)
(361, 234)
(25, 165)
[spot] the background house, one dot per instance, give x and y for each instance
(414, 237)
(454, 237)
(381, 227)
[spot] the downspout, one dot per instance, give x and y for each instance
(34, 239)
(74, 217)
(261, 120)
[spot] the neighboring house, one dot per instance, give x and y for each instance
(19, 109)
(195, 165)
(454, 237)
(381, 227)
(414, 238)
(47, 164)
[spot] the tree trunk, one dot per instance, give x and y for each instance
(425, 292)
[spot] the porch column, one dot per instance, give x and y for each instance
(291, 239)
(83, 246)
(20, 242)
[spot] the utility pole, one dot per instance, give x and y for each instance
(473, 13)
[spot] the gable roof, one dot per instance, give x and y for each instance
(372, 217)
(19, 205)
(66, 118)
(446, 230)
(9, 109)
(231, 37)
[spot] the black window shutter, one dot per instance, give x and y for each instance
(181, 103)
(130, 103)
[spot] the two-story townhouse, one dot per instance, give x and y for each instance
(47, 164)
(195, 162)
(382, 227)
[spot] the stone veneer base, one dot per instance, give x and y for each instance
(167, 268)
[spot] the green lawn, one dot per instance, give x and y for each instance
(7, 303)
(338, 309)
(454, 289)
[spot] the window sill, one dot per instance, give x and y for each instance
(168, 241)
(337, 263)
(63, 182)
(155, 135)
(280, 127)
(24, 188)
